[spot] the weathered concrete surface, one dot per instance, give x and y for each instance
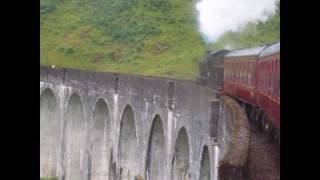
(234, 145)
(116, 126)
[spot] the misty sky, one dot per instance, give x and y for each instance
(219, 16)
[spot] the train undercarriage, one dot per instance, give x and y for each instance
(257, 117)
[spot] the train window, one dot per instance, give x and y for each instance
(278, 61)
(273, 78)
(251, 73)
(249, 76)
(237, 72)
(257, 75)
(239, 68)
(260, 80)
(241, 73)
(247, 73)
(227, 72)
(264, 77)
(270, 77)
(244, 73)
(277, 78)
(267, 77)
(232, 72)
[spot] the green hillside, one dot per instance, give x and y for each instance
(151, 37)
(154, 37)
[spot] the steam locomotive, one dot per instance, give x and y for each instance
(250, 76)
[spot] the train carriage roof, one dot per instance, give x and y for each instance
(271, 49)
(246, 52)
(211, 56)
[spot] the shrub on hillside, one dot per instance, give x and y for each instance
(162, 5)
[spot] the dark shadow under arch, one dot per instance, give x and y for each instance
(205, 164)
(180, 160)
(156, 152)
(100, 141)
(128, 150)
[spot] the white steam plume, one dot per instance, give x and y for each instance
(219, 16)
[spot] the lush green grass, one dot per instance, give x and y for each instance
(151, 37)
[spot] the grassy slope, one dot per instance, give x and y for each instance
(151, 37)
(101, 36)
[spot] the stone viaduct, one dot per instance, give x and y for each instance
(115, 126)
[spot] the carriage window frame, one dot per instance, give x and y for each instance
(274, 78)
(240, 72)
(249, 72)
(249, 75)
(245, 73)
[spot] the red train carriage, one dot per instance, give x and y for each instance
(240, 74)
(268, 85)
(251, 76)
